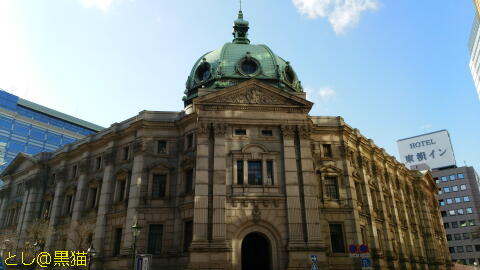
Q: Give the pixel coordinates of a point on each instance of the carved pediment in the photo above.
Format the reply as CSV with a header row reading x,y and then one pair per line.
x,y
256,94
330,169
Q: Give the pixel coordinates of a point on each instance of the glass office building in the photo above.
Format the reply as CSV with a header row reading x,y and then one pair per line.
x,y
31,128
474,47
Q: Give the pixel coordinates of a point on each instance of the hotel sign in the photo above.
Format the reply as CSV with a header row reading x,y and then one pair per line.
x,y
433,149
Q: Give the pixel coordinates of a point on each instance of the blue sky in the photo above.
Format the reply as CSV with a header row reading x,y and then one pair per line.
x,y
392,69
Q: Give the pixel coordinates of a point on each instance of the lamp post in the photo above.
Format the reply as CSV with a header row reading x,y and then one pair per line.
x,y
135,231
91,254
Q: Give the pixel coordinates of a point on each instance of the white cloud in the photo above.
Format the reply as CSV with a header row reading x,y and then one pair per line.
x,y
342,14
326,93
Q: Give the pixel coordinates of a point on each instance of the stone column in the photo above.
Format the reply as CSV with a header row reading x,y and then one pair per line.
x,y
104,203
295,225
56,210
200,212
78,207
31,205
134,195
219,188
312,204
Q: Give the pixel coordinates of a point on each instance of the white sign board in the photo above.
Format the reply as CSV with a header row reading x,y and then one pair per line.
x,y
433,149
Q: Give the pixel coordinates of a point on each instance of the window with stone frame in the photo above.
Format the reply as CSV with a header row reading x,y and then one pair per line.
x,y
117,241
92,197
74,170
327,150
120,189
337,238
46,208
159,185
98,162
155,239
331,187
161,147
239,172
188,174
189,141
126,153
187,234
68,204
255,172
359,192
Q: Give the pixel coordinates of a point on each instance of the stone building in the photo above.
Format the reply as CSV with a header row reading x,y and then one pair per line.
x,y
243,178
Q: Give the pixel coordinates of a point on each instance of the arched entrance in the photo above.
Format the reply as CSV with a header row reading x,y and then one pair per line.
x,y
256,252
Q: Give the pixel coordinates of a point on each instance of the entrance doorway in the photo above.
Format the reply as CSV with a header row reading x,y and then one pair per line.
x,y
256,252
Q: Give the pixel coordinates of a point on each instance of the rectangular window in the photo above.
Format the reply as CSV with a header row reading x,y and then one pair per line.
x,y
240,172
121,185
463,187
267,132
363,231
74,171
446,189
436,180
255,172
471,222
449,201
117,241
126,152
327,150
68,204
442,202
336,238
451,249
452,177
155,236
469,210
460,176
449,237
98,162
458,200
270,172
93,197
460,249
463,223
466,236
457,236
444,179
477,248
454,188
331,187
159,185
190,141
240,132
466,199
187,235
358,191
454,224
446,225
460,211
189,181
161,147
451,212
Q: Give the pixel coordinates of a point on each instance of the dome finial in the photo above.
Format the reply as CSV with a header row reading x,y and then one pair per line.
x,y
240,28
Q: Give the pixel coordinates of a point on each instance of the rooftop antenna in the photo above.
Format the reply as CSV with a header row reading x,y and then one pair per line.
x,y
240,4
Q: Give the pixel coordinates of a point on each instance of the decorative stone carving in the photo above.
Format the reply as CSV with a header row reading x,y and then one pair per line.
x,y
252,95
256,214
220,129
288,131
109,157
203,128
305,132
138,146
84,166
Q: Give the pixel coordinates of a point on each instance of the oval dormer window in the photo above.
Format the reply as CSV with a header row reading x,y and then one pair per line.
x,y
290,75
248,66
203,72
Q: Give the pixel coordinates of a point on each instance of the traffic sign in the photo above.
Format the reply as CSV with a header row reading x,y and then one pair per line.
x,y
353,248
363,248
365,262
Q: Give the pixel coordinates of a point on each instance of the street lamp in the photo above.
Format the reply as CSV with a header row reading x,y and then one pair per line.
x,y
91,253
135,231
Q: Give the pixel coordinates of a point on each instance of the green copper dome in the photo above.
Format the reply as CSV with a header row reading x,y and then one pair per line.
x,y
239,61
